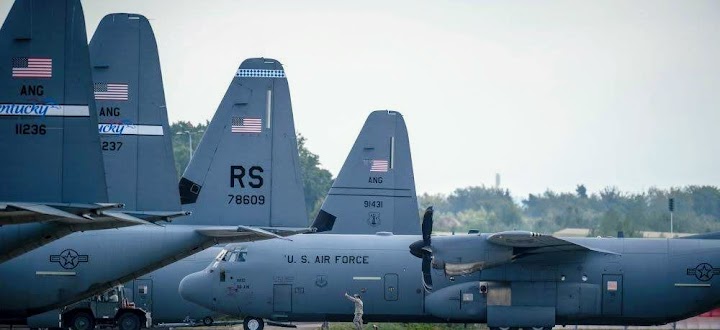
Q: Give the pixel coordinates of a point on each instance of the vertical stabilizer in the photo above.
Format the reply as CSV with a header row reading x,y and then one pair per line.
x,y
48,126
246,168
375,190
134,130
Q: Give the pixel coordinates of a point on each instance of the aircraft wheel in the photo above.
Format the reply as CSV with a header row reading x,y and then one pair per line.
x,y
207,321
253,323
82,321
129,321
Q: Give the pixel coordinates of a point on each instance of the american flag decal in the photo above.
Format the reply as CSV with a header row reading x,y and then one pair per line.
x,y
246,125
378,165
109,91
30,67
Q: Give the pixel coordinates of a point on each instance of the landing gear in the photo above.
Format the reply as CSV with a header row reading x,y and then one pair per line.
x,y
253,323
129,321
82,321
207,321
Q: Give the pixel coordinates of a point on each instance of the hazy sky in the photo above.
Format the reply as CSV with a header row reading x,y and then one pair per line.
x,y
547,93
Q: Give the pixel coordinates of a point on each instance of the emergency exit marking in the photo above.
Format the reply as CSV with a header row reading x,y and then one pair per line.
x,y
612,285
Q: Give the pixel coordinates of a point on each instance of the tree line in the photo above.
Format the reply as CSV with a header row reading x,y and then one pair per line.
x,y
605,213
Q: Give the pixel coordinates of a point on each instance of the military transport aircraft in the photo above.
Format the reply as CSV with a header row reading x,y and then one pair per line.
x,y
52,181
509,279
373,195
235,157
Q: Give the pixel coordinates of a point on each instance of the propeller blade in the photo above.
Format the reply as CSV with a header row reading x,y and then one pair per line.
x,y
426,266
427,225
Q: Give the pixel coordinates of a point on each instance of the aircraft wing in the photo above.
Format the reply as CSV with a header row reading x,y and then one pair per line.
x,y
70,213
248,233
526,242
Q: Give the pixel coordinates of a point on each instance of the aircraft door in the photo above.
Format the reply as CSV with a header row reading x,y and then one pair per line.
x,y
612,295
282,298
391,287
142,297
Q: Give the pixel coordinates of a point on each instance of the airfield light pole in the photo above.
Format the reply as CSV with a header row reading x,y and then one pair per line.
x,y
671,207
190,145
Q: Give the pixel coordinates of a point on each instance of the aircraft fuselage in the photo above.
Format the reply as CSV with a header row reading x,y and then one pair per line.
x,y
638,282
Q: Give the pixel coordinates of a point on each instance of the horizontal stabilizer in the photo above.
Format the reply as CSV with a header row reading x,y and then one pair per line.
x,y
41,209
70,213
532,243
125,217
154,216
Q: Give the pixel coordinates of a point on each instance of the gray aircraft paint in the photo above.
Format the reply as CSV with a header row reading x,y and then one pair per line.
x,y
83,264
256,110
385,192
656,278
135,134
53,179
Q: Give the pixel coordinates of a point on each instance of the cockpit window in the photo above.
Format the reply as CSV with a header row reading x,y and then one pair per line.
x,y
241,255
221,255
231,257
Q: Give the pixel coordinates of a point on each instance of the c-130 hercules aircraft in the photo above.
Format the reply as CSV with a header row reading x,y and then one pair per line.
x,y
511,279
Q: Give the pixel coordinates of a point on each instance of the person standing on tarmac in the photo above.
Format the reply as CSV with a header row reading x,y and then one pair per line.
x,y
357,321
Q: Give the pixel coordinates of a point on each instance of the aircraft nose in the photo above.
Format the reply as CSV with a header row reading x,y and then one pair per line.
x,y
196,288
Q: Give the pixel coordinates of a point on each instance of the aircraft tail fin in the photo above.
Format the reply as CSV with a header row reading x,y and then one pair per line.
x,y
375,189
246,169
134,129
48,124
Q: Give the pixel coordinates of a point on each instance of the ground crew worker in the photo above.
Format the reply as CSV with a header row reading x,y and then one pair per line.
x,y
357,321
